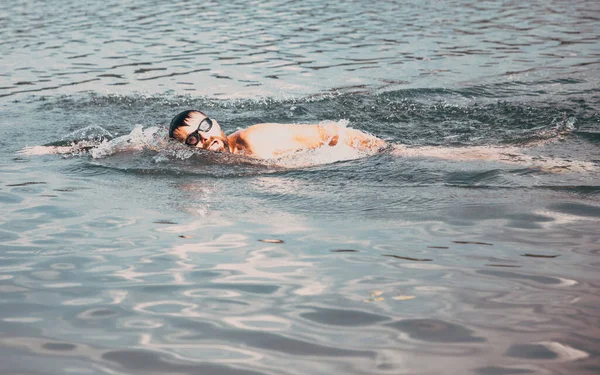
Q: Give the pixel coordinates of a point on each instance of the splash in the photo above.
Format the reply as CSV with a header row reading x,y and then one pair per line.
x,y
97,144
139,139
559,129
155,139
75,143
89,133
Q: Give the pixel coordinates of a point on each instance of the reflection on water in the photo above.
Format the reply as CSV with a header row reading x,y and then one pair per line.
x,y
223,300
241,49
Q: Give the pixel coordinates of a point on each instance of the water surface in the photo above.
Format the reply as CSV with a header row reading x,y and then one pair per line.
x,y
138,257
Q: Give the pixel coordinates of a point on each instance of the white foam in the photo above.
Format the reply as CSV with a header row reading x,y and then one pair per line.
x,y
139,139
156,139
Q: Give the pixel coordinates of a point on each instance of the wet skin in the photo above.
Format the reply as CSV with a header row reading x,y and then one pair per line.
x,y
271,140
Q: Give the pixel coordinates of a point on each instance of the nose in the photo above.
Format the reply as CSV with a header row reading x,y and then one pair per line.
x,y
201,137
206,141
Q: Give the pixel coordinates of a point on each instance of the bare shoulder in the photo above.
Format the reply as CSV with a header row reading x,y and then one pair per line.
x,y
267,140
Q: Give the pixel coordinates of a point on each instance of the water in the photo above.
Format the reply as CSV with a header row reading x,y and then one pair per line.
x,y
137,256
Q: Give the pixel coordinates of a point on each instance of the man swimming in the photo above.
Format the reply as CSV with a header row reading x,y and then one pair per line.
x,y
267,140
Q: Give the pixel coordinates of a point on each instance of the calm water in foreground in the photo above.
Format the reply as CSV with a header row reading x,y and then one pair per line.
x,y
138,257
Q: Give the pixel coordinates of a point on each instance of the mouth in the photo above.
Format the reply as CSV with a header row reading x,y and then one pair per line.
x,y
216,145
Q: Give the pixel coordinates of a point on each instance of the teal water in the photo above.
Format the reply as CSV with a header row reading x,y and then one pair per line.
x,y
137,257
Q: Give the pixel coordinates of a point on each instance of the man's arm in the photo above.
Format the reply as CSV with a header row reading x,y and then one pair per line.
x,y
272,140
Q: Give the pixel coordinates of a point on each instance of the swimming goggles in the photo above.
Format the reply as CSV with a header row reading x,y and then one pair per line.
x,y
194,138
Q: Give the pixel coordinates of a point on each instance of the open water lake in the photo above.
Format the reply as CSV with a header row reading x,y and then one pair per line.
x,y
470,246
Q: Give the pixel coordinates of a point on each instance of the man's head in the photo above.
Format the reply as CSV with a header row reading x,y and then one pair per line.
x,y
195,129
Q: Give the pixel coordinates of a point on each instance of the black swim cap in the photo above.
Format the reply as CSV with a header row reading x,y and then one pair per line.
x,y
179,120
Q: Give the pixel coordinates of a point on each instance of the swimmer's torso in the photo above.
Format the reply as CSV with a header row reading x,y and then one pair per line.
x,y
273,140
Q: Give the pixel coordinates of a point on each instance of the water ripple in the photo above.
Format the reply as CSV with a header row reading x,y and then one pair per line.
x,y
328,47
132,254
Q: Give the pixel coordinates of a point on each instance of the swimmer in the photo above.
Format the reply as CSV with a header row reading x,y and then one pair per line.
x,y
268,140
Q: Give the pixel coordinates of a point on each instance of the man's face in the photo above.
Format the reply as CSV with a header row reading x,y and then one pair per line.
x,y
201,132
